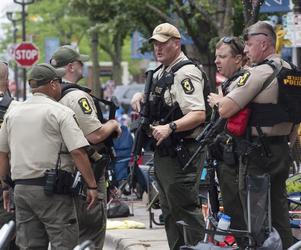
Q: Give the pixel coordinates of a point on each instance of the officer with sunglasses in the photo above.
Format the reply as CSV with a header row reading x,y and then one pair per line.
x,y
258,87
230,61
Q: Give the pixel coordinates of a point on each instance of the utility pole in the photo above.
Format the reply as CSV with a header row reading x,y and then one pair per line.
x,y
14,18
297,11
23,3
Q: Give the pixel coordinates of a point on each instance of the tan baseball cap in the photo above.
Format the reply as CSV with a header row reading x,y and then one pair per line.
x,y
163,32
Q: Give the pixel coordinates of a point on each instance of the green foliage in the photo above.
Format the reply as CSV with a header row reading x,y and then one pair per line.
x,y
293,184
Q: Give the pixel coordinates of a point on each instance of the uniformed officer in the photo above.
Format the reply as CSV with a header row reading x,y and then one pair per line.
x,y
260,48
5,101
92,223
178,188
229,60
33,135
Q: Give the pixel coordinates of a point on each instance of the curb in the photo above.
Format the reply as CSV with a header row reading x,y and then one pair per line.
x,y
120,242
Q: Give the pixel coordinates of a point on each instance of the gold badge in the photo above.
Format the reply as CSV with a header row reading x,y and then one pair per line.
x,y
187,86
85,106
243,79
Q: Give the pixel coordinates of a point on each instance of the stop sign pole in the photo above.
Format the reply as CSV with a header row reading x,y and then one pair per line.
x,y
23,3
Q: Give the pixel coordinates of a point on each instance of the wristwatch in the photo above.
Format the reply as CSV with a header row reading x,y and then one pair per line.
x,y
173,126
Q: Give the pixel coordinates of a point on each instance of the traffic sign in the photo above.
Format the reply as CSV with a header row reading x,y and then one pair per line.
x,y
26,54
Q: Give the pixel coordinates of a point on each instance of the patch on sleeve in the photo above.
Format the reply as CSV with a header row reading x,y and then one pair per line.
x,y
187,86
242,81
85,106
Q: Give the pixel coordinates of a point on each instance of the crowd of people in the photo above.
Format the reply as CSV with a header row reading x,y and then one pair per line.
x,y
57,137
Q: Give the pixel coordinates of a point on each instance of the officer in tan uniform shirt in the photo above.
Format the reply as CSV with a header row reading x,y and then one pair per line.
x,y
230,62
259,47
174,127
33,134
92,223
5,100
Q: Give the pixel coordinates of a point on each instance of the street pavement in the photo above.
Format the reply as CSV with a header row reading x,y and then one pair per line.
x,y
137,239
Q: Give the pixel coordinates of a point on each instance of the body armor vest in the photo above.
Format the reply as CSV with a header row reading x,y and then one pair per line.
x,y
159,110
288,104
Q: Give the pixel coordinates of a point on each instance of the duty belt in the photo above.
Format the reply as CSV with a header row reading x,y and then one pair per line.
x,y
272,139
40,181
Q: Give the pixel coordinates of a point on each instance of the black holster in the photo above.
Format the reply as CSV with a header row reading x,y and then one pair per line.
x,y
253,151
58,182
223,149
174,148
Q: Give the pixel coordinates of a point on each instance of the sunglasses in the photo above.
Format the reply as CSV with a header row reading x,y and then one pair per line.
x,y
58,79
230,40
246,36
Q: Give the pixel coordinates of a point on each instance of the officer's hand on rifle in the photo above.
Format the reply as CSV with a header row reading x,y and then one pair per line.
x,y
136,101
213,99
117,128
160,132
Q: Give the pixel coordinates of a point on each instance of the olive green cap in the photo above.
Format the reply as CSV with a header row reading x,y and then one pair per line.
x,y
43,73
66,54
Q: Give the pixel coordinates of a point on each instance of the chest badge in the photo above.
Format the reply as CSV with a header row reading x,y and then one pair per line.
x,y
187,86
242,81
85,106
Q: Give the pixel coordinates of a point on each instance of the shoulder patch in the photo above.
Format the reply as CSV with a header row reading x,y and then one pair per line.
x,y
242,81
85,106
187,86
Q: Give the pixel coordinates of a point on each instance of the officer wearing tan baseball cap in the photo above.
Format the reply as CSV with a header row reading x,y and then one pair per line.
x,y
164,31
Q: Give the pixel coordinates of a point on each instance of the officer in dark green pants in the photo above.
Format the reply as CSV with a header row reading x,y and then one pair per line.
x,y
268,128
230,60
177,110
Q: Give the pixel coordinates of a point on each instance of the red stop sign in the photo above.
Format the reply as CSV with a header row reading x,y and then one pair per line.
x,y
26,54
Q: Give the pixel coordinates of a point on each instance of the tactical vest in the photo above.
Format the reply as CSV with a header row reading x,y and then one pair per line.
x,y
226,84
159,110
288,107
5,101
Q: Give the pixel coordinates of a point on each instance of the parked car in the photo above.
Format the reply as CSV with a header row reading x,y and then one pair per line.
x,y
124,94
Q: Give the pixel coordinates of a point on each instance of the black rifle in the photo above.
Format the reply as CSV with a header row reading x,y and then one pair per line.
x,y
208,134
113,106
141,133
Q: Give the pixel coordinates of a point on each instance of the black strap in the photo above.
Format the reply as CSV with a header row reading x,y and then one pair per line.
x,y
180,64
227,83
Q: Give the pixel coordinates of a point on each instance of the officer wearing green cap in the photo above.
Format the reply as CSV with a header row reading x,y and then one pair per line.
x,y
92,223
33,137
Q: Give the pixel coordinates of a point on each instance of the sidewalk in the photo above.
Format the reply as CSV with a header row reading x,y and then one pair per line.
x,y
137,239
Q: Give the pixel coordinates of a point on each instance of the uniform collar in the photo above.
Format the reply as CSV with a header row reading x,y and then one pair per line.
x,y
181,57
43,95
